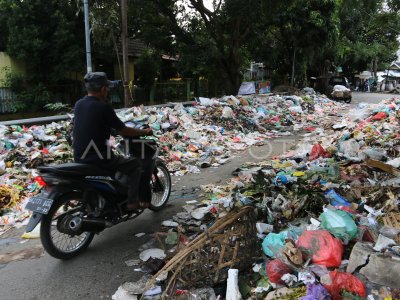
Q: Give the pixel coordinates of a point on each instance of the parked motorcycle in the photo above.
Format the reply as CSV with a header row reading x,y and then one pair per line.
x,y
79,200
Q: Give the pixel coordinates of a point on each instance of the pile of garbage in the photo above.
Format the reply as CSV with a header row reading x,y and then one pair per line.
x,y
194,137
328,215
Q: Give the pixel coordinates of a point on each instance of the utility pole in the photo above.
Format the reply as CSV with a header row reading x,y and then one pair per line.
x,y
125,61
87,36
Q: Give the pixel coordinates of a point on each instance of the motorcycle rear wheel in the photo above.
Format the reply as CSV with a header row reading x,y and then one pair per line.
x,y
58,244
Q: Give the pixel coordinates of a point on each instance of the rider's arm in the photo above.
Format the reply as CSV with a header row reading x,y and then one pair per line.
x,y
134,132
114,122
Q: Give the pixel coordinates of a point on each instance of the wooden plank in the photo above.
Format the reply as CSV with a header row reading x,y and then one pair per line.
x,y
382,166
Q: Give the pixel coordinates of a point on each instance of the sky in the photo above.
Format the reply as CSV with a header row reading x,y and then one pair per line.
x,y
208,4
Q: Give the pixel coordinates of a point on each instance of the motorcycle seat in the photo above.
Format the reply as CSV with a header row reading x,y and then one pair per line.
x,y
75,169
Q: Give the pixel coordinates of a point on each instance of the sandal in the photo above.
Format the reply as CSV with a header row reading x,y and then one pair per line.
x,y
137,205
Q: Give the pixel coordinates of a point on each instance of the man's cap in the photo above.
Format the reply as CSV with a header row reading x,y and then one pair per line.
x,y
97,79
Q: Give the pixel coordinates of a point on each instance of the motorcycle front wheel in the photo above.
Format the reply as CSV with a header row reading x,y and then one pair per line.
x,y
53,233
160,186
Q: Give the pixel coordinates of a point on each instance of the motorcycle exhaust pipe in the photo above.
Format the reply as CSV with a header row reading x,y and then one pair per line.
x,y
92,225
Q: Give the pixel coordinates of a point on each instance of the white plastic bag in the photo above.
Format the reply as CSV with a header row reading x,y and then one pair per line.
x,y
227,112
394,162
349,148
340,88
359,114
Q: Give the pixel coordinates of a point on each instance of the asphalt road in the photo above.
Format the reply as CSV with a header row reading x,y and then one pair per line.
x,y
359,97
26,272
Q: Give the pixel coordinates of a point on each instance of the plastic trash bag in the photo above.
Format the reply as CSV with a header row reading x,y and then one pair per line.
x,y
318,151
309,91
350,148
206,101
34,234
376,153
394,162
274,243
202,293
335,199
340,224
359,114
340,281
296,109
340,88
262,110
227,112
389,231
294,232
379,116
316,292
323,248
276,269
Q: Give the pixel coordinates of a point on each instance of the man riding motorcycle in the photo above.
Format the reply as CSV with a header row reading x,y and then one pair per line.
x,y
93,120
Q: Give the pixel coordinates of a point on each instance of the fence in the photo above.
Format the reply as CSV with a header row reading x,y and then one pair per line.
x,y
66,93
178,91
171,91
7,100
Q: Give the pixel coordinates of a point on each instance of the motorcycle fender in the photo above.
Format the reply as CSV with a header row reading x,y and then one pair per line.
x,y
34,220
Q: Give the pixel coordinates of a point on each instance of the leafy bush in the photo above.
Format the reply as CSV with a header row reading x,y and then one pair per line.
x,y
27,97
15,82
58,107
34,97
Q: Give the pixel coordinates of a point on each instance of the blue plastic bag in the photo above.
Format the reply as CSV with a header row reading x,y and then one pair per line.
x,y
335,199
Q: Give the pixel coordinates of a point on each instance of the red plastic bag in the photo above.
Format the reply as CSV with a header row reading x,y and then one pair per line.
x,y
379,116
344,282
322,246
276,269
318,151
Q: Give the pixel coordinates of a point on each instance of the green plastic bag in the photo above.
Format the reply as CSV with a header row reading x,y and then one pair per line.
x,y
274,243
340,224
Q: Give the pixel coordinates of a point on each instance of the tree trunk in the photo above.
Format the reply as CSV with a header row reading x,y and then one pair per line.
x,y
231,69
375,68
293,64
234,79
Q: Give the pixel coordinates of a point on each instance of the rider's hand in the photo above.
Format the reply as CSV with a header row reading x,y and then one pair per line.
x,y
148,131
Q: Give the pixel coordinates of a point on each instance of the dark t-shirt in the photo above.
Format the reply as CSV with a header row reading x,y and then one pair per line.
x,y
93,120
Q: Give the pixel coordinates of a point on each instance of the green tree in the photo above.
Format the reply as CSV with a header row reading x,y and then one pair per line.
x,y
147,66
369,31
209,43
294,36
48,36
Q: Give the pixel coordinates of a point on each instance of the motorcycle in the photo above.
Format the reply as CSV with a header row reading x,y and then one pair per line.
x,y
78,201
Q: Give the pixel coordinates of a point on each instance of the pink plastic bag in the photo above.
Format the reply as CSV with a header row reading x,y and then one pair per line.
x,y
323,248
